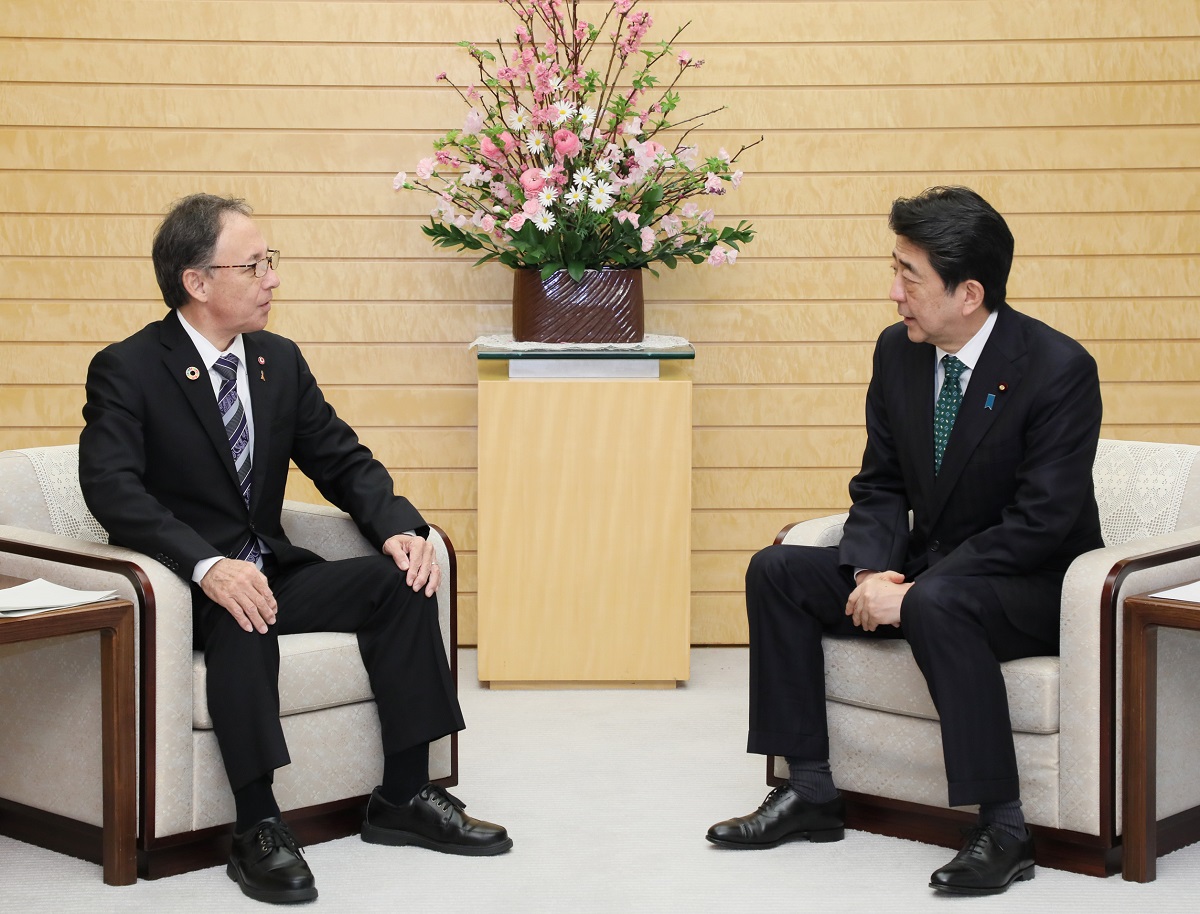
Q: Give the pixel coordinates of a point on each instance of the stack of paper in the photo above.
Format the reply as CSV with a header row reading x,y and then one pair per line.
x,y
1189,593
40,596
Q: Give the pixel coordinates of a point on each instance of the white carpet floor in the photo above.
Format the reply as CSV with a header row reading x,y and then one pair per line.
x,y
607,795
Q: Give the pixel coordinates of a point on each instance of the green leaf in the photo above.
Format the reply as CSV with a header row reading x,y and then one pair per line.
x,y
576,268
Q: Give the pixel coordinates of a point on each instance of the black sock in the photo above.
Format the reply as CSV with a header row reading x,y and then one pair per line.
x,y
1007,816
255,802
812,780
404,773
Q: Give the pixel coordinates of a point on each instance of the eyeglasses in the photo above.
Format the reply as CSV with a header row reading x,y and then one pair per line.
x,y
259,266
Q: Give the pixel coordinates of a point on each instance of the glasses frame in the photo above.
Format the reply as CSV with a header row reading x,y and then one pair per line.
x,y
271,260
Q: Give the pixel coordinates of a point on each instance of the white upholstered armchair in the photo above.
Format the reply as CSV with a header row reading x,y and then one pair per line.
x,y
50,774
883,731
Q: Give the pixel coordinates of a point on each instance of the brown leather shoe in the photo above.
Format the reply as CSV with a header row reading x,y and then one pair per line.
x,y
988,864
267,864
435,820
782,817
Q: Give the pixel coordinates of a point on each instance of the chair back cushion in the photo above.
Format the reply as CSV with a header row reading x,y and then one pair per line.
x,y
1145,489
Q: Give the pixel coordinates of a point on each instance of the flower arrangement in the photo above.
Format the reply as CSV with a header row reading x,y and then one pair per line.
x,y
557,165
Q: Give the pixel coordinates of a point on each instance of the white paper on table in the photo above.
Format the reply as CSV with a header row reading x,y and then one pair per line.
x,y
41,595
1189,593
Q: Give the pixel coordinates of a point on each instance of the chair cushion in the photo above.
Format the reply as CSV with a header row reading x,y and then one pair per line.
x,y
883,675
316,670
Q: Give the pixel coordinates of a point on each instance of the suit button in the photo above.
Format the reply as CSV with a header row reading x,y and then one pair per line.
x,y
934,545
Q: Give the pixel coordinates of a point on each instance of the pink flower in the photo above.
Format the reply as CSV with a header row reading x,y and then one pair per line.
x,y
425,168
717,257
626,216
532,180
473,94
647,239
473,122
714,185
531,207
487,223
515,222
690,210
509,141
683,58
489,149
566,143
622,6
731,256
399,181
441,77
671,225
507,73
736,179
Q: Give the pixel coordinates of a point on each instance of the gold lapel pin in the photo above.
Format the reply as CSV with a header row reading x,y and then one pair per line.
x,y
192,373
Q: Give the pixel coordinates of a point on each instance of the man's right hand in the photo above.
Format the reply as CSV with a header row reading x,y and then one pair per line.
x,y
243,591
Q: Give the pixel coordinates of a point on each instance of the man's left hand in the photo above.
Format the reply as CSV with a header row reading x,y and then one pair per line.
x,y
414,555
876,600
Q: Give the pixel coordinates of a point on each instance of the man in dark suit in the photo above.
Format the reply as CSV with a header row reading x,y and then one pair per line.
x,y
983,423
190,427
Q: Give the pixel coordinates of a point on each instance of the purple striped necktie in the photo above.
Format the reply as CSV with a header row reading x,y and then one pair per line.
x,y
237,430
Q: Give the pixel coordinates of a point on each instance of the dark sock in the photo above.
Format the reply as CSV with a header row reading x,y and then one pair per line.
x,y
812,781
1007,816
255,802
404,773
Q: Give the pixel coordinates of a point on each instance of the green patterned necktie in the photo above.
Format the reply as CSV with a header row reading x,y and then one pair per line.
x,y
946,410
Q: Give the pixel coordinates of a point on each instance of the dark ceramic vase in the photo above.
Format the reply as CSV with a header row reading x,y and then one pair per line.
x,y
605,306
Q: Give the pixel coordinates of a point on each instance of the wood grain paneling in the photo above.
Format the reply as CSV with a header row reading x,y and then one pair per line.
x,y
1080,120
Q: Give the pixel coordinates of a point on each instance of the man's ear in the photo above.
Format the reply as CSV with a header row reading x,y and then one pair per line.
x,y
195,283
971,291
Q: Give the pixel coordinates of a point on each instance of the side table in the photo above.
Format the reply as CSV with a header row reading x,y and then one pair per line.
x,y
584,517
113,620
1144,615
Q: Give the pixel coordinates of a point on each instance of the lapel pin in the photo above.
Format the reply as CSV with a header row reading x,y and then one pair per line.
x,y
990,401
192,373
262,375
261,360
1003,387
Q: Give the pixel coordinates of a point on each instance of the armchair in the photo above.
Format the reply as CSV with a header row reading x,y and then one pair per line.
x,y
50,707
883,730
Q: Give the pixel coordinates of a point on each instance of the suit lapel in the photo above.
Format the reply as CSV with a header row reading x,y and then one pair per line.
x,y
993,381
917,383
263,406
191,374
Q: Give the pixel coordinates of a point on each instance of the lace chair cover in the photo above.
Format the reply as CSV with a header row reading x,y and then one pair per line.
x,y
1140,487
57,470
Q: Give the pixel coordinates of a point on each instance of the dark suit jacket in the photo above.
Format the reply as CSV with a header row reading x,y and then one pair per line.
x,y
156,468
1014,499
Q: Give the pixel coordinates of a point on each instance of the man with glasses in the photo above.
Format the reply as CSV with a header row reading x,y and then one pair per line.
x,y
190,425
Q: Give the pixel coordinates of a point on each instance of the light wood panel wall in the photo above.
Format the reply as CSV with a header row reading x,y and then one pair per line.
x,y
1079,119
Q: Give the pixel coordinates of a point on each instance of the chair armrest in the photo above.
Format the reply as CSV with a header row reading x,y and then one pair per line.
x,y
820,531
1094,590
331,534
163,627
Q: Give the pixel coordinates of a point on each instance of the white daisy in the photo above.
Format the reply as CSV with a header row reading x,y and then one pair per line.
x,y
547,195
561,112
599,202
604,166
575,195
605,188
518,119
544,221
535,143
584,177
587,115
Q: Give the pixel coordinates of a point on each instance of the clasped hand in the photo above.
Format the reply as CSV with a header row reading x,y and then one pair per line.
x,y
414,555
876,600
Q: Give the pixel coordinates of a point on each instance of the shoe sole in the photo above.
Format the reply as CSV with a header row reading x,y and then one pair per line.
x,y
283,896
1022,875
813,837
372,834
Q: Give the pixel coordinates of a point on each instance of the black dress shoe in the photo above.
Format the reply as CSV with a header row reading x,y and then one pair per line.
x,y
435,820
782,817
266,863
988,864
